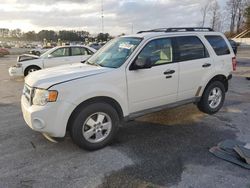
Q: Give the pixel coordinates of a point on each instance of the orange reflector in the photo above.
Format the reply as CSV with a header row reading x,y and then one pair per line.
x,y
52,96
234,63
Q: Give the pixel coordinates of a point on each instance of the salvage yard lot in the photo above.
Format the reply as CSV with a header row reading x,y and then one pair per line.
x,y
165,149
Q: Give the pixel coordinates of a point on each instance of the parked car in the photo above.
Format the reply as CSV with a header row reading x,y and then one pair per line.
x,y
5,45
28,63
4,51
39,51
96,46
127,78
234,46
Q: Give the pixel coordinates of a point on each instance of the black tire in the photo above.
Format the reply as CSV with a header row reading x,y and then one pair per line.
x,y
204,105
82,115
31,68
37,53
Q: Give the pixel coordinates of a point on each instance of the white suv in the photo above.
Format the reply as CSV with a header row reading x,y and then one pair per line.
x,y
127,78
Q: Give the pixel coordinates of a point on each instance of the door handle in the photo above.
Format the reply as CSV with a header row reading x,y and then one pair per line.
x,y
169,72
167,77
206,65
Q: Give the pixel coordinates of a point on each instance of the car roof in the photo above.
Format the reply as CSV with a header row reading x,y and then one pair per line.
x,y
148,35
177,31
71,46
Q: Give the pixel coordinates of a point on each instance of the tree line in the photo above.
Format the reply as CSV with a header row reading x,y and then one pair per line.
x,y
51,35
233,19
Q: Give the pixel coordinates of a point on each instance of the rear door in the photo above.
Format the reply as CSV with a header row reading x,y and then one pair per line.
x,y
223,52
195,64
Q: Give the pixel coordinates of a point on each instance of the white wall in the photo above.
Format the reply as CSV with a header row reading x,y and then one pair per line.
x,y
243,41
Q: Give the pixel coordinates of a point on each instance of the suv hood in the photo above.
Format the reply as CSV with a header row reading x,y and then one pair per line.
x,y
47,77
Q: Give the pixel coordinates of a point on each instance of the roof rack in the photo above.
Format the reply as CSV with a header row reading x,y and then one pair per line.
x,y
179,29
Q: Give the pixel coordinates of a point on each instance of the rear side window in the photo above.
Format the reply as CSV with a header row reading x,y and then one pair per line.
x,y
219,45
190,48
76,51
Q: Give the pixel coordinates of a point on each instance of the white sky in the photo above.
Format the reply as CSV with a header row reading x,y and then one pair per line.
x,y
119,15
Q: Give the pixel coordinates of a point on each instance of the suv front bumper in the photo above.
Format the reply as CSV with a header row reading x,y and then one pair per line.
x,y
50,119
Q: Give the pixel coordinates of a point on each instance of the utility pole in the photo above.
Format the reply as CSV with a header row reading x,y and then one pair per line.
x,y
132,28
102,19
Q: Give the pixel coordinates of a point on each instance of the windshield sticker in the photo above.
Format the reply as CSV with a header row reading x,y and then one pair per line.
x,y
126,46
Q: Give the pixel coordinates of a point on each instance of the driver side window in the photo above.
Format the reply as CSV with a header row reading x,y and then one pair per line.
x,y
158,51
61,52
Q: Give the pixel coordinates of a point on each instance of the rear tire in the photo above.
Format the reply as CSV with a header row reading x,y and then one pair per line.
x,y
94,126
213,98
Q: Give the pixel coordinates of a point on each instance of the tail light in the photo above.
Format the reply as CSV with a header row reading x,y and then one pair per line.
x,y
234,63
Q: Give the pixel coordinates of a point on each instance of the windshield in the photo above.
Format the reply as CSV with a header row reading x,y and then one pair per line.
x,y
115,53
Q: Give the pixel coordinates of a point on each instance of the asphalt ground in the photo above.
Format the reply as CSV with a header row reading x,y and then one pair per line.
x,y
164,149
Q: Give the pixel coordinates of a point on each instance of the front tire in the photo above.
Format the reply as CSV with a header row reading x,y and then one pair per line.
x,y
94,126
213,98
30,69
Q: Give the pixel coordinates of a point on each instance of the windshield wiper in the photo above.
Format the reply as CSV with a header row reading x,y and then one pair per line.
x,y
94,64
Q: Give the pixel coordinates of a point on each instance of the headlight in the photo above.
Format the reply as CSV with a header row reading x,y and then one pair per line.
x,y
18,65
42,96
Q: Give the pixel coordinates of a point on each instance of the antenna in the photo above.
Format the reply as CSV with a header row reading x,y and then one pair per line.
x,y
102,18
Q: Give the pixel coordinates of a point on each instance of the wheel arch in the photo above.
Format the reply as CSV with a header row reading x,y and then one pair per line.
x,y
87,102
220,77
26,68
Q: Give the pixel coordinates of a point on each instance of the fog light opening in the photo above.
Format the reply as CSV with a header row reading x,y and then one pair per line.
x,y
38,124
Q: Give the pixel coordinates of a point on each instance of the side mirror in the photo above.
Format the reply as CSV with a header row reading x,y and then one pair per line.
x,y
84,59
140,63
50,56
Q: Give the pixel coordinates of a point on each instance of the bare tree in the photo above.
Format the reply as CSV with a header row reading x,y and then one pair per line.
x,y
232,6
236,9
240,16
204,12
214,11
247,17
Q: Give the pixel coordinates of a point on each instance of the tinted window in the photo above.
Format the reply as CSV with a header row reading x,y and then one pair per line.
x,y
79,51
219,45
76,51
190,48
60,52
159,51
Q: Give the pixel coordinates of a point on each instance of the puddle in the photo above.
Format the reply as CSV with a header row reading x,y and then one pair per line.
x,y
188,114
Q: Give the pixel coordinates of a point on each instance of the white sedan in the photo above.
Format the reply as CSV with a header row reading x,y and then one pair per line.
x,y
54,57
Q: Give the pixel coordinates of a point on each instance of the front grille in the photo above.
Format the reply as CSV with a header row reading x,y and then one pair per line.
x,y
27,92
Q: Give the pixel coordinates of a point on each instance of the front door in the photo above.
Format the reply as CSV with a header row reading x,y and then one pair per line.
x,y
155,86
58,57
